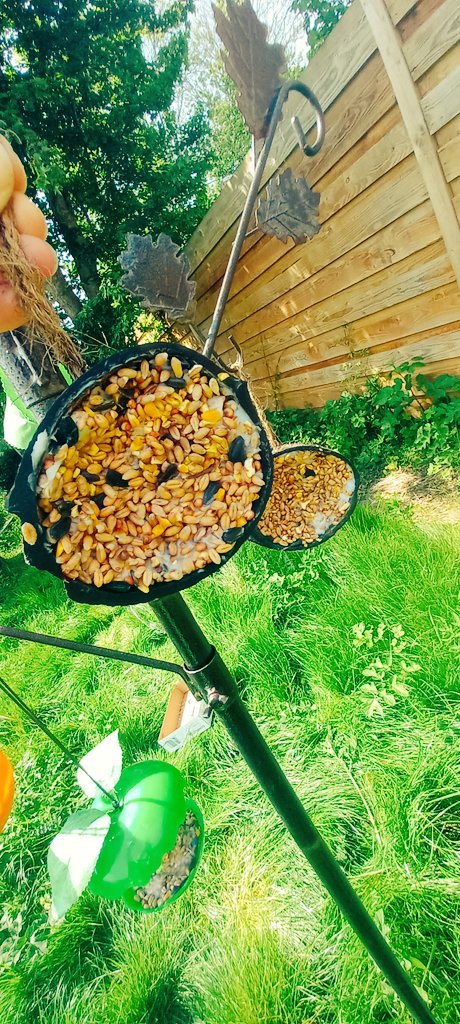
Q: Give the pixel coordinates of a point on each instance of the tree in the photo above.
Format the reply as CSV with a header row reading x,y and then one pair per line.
x,y
320,16
86,94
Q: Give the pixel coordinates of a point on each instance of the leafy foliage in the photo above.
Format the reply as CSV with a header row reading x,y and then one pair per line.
x,y
405,419
230,139
86,93
10,533
320,18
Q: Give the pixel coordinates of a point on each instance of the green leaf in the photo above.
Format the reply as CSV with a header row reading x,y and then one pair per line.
x,y
104,763
72,857
375,708
399,688
372,673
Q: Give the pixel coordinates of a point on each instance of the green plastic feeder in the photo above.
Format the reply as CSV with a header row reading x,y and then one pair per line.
x,y
142,830
128,897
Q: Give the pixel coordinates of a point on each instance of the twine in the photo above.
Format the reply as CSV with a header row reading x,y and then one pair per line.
x,y
43,324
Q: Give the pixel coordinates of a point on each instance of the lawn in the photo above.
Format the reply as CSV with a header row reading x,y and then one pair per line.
x,y
348,658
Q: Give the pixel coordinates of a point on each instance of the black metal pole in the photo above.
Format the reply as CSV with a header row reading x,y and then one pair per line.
x,y
215,683
97,652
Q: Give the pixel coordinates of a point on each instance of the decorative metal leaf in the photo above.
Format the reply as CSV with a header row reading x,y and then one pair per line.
x,y
290,209
253,64
157,273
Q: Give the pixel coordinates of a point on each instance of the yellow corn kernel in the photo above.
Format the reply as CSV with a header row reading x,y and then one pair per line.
x,y
211,415
176,367
163,525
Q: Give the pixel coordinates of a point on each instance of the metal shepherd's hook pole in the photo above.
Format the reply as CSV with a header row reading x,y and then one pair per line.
x,y
214,682
282,95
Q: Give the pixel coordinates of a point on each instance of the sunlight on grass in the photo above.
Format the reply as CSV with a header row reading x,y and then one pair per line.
x,y
348,658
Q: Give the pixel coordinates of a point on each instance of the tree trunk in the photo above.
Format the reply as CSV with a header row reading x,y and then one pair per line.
x,y
80,247
30,372
61,291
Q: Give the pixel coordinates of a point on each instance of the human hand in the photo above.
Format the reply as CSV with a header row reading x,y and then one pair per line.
x,y
30,224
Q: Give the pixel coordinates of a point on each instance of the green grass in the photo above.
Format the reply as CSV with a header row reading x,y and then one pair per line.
x,y
373,749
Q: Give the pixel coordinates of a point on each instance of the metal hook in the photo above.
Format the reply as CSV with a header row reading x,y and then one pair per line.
x,y
273,117
312,150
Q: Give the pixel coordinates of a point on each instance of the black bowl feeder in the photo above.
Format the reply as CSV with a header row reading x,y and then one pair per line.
x,y
299,545
58,428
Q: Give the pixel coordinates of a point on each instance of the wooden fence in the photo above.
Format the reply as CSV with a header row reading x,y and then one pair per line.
x,y
380,283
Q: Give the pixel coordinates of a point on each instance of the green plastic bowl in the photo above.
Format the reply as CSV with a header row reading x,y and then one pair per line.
x,y
128,897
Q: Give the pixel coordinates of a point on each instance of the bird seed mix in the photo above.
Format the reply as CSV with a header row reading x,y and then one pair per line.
x,y
311,493
160,481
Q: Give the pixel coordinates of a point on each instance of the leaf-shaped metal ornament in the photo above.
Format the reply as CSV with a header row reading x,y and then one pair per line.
x,y
290,209
253,64
159,274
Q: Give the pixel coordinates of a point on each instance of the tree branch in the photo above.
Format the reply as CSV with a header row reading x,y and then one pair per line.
x,y
62,292
79,246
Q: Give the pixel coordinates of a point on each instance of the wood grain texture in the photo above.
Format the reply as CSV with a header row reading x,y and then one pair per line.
x,y
432,349
399,66
434,310
442,104
377,279
354,123
434,37
387,200
418,273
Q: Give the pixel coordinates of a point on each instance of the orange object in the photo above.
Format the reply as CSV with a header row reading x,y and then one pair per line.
x,y
6,789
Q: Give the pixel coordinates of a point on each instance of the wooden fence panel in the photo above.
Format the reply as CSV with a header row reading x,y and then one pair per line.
x,y
380,282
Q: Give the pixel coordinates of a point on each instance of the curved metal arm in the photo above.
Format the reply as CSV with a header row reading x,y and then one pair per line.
x,y
274,117
98,652
280,99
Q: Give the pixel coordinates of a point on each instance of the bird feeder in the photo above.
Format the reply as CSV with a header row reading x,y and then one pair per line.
x,y
144,831
136,842
314,492
142,415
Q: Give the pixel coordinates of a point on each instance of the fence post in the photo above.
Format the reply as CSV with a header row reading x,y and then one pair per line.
x,y
424,146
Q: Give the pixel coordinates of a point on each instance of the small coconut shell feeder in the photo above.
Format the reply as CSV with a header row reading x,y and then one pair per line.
x,y
314,493
145,829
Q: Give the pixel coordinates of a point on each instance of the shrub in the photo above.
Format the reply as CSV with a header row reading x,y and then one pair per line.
x,y
402,419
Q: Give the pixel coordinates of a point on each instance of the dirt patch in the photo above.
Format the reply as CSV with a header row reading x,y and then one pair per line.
x,y
434,498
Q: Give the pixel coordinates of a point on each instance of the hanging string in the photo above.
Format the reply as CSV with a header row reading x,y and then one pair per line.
x,y
20,703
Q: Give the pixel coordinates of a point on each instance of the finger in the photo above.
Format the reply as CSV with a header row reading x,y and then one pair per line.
x,y
20,180
28,219
42,256
39,253
6,178
11,314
